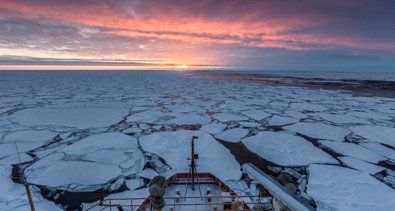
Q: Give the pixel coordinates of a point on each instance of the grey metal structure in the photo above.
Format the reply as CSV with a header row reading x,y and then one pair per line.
x,y
278,191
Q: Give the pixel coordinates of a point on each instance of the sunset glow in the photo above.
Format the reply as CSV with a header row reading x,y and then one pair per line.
x,y
182,66
260,35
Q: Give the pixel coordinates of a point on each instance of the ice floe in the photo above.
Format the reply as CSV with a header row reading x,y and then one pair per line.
x,y
24,141
308,107
175,148
281,120
67,125
361,165
149,116
132,184
343,119
92,161
380,149
213,128
339,188
13,196
256,114
319,130
353,150
380,134
187,119
70,117
227,117
285,149
249,124
232,135
369,115
73,173
148,173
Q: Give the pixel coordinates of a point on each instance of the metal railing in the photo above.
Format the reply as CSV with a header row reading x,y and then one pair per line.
x,y
189,203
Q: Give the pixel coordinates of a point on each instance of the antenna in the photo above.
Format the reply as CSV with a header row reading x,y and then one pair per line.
x,y
19,156
192,168
26,184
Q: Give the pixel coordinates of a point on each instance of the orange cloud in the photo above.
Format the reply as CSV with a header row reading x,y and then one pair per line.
x,y
191,32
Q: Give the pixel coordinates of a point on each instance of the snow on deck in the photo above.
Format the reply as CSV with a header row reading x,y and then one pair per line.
x,y
171,191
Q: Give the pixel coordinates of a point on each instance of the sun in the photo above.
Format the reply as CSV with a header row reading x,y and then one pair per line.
x,y
182,66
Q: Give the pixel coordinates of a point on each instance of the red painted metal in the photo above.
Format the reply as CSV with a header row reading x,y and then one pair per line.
x,y
202,175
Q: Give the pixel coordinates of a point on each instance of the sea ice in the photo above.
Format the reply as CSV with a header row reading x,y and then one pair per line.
x,y
64,173
295,114
143,126
308,107
285,149
339,188
227,117
361,165
280,120
148,173
8,149
132,130
108,156
353,150
380,134
149,116
25,140
13,196
187,119
213,128
132,184
175,148
369,115
387,107
256,114
84,105
70,117
29,136
14,159
91,161
319,130
380,149
343,119
249,124
232,135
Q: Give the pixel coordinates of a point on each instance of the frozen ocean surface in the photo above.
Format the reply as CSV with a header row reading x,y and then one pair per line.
x,y
84,135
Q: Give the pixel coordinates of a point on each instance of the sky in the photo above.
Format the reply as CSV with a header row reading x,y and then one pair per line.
x,y
288,35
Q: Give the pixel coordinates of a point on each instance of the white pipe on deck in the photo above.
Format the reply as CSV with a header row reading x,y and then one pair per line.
x,y
276,189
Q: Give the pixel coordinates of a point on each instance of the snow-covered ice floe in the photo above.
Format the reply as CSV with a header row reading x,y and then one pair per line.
x,y
380,134
13,196
213,128
89,163
175,148
319,130
77,116
285,149
281,120
82,132
232,135
353,150
339,188
24,141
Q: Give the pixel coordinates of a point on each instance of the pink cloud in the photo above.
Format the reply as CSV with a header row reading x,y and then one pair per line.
x,y
267,23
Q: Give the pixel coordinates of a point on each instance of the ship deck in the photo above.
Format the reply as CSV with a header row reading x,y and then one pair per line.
x,y
193,199
210,193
